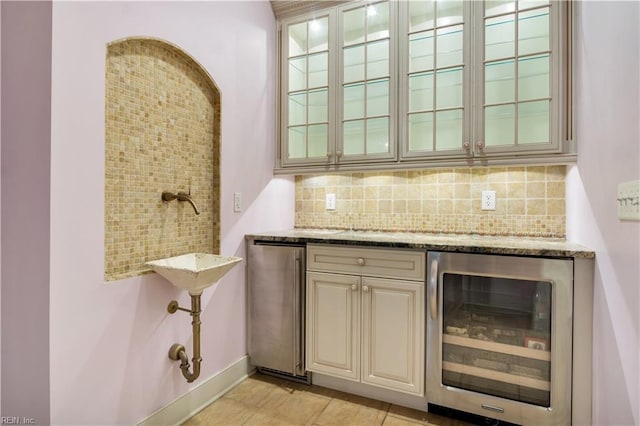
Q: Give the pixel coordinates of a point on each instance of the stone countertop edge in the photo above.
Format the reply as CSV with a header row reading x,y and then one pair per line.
x,y
481,244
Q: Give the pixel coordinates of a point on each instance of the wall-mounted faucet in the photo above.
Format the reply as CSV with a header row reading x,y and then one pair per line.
x,y
180,196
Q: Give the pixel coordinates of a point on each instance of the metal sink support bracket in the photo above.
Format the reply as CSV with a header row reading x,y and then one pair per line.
x,y
177,352
192,272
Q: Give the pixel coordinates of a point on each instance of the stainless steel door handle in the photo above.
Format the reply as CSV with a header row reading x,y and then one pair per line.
x,y
433,289
298,343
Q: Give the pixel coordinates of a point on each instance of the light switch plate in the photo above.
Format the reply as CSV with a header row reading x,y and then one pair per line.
x,y
629,200
237,202
331,202
488,200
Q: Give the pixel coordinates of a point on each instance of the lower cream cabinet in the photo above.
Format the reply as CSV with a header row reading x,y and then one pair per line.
x,y
365,328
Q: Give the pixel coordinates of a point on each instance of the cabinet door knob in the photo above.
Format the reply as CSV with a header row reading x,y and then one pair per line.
x,y
365,288
329,155
339,154
354,287
361,261
467,146
480,145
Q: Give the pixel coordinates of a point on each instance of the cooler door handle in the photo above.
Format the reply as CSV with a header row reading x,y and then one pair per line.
x,y
433,289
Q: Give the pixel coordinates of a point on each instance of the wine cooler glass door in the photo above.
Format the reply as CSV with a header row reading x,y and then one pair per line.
x,y
497,323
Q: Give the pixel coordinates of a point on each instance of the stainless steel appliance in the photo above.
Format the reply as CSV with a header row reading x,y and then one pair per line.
x,y
276,294
499,336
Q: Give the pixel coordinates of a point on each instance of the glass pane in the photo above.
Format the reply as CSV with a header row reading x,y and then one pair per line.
x,y
378,59
533,77
449,130
297,74
353,101
297,142
421,51
499,38
353,137
318,70
449,47
353,64
377,21
449,88
297,109
499,82
483,319
378,98
498,7
527,4
377,135
449,12
421,92
499,125
318,101
353,22
421,14
421,132
318,35
533,122
533,31
297,39
318,144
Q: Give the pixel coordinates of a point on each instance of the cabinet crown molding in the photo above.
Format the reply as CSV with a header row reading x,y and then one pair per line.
x,y
287,8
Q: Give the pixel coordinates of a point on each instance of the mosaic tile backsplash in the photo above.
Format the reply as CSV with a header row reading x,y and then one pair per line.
x,y
530,201
162,120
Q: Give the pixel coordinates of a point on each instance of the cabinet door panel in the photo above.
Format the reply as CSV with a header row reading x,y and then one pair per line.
x,y
367,87
333,337
435,70
393,334
308,93
520,66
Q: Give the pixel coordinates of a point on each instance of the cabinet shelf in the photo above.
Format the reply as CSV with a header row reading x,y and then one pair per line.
x,y
499,376
497,347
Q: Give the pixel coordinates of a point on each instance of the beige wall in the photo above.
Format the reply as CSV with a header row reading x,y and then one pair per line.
x,y
162,115
530,201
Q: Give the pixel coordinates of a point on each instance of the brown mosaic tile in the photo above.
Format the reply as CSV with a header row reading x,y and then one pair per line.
x,y
530,201
162,132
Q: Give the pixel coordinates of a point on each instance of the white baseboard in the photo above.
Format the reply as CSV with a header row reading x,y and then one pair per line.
x,y
187,405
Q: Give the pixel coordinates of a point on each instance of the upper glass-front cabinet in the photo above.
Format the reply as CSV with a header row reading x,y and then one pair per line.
x,y
435,68
367,82
307,91
406,83
520,67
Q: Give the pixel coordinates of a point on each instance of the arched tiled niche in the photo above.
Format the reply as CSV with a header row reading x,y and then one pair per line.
x,y
162,121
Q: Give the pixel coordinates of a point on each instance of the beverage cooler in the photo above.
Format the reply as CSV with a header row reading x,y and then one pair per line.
x,y
499,336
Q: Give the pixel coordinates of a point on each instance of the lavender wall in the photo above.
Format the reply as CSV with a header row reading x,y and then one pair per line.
x,y
26,120
109,342
607,113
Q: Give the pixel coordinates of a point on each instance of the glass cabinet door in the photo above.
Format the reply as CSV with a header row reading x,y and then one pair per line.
x,y
306,93
496,337
366,99
435,77
520,94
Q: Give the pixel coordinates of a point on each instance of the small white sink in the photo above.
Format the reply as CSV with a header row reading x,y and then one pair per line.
x,y
194,272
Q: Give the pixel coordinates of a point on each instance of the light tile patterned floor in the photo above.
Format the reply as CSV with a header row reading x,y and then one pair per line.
x,y
265,400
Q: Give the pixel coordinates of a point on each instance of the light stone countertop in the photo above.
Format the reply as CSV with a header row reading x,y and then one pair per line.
x,y
482,244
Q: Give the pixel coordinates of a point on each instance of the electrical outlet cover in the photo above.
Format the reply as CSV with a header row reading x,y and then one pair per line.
x,y
331,202
488,200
